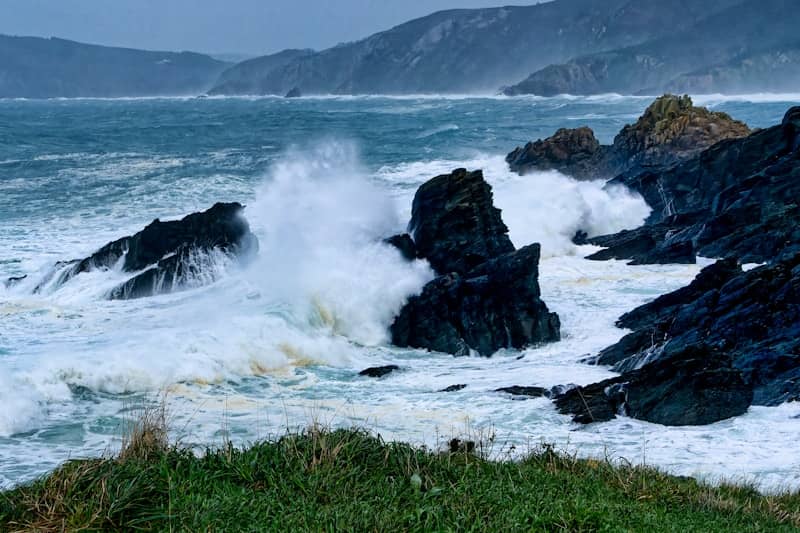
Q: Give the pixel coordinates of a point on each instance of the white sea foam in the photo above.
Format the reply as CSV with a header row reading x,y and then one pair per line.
x,y
279,341
543,207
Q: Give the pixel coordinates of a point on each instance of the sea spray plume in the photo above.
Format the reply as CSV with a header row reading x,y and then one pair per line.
x,y
321,224
547,208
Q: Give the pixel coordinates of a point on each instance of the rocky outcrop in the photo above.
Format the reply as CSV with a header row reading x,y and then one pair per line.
x,y
404,244
455,225
671,130
695,386
753,317
487,295
738,197
168,255
496,305
526,392
378,371
575,152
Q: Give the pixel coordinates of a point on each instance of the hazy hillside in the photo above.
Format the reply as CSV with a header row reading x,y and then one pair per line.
x,y
752,46
33,67
248,76
473,50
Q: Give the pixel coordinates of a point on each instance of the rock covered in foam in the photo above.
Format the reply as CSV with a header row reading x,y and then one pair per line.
x,y
454,223
169,254
695,386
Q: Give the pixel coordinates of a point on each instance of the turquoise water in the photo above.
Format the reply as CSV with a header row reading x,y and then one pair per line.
x,y
279,343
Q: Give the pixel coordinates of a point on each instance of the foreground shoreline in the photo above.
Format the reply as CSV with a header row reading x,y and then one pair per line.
x,y
353,480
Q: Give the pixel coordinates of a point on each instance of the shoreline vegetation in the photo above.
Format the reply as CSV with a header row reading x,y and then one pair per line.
x,y
352,480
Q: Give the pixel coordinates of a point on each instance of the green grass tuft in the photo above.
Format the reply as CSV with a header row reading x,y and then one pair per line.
x,y
350,480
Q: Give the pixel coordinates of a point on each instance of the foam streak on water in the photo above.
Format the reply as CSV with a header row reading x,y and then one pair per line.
x,y
278,342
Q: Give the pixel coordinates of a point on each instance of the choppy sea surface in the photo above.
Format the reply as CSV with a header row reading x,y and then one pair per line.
x,y
277,344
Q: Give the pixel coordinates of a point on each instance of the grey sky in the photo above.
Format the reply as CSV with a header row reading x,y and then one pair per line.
x,y
247,26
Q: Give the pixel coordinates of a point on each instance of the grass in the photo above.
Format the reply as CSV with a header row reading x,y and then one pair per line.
x,y
351,480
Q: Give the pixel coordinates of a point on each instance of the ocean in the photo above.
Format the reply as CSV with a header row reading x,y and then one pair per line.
x,y
277,344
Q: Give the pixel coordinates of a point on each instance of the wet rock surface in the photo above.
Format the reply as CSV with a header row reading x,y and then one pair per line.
x,y
575,152
752,316
695,386
454,223
496,305
170,254
671,130
378,371
487,296
737,198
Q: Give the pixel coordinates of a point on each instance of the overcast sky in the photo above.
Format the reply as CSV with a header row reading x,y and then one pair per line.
x,y
217,26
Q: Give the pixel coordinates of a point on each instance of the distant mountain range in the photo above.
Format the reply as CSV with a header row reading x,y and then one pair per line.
x,y
32,67
475,50
564,46
748,47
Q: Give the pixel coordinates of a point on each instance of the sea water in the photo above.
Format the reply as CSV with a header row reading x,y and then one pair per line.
x,y
277,344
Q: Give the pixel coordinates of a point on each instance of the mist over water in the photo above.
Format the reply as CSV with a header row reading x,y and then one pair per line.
x,y
279,340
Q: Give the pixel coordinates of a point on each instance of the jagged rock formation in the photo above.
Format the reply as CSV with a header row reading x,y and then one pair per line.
x,y
738,198
753,317
670,130
697,386
32,67
496,305
169,255
454,223
487,296
468,50
575,152
725,51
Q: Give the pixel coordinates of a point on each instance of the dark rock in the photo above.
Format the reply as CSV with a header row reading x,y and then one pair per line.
x,y
696,386
405,244
670,130
580,238
737,198
575,152
645,245
454,388
170,254
10,282
753,317
378,371
455,225
531,392
496,305
294,93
